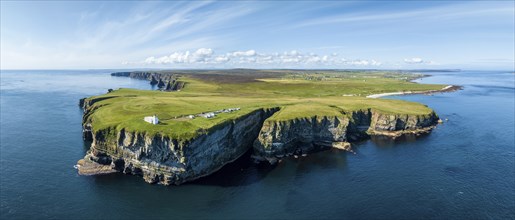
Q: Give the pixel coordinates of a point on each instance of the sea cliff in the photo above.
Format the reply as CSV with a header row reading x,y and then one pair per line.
x,y
279,113
299,136
165,160
164,81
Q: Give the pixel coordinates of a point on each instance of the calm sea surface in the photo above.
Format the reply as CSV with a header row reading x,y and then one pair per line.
x,y
464,169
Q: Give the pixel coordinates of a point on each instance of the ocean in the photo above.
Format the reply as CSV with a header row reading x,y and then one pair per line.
x,y
463,169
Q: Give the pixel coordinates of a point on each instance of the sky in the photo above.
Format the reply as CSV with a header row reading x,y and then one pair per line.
x,y
247,34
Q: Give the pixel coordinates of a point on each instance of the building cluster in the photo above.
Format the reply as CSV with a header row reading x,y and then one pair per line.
x,y
207,115
213,114
154,120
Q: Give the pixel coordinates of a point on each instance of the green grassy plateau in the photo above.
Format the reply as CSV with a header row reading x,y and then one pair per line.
x,y
298,94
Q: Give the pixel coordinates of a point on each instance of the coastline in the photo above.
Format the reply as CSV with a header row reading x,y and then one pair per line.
x,y
449,88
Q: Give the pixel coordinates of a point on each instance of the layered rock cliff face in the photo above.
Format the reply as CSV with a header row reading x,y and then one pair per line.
x,y
164,160
160,159
282,138
396,125
164,81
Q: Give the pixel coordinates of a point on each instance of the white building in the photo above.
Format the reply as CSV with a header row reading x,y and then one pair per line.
x,y
152,119
208,115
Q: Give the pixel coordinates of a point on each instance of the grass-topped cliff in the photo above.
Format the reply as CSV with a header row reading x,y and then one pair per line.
x,y
299,94
274,112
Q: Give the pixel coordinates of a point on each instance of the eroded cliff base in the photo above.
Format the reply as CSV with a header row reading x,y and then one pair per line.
x,y
88,167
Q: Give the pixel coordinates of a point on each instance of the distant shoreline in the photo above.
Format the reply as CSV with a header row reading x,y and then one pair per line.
x,y
449,88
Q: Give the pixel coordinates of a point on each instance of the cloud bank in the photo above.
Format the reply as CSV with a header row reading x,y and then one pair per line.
x,y
252,57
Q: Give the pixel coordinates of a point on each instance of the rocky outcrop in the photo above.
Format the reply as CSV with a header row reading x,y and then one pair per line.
x,y
299,136
174,86
164,160
89,167
165,81
396,125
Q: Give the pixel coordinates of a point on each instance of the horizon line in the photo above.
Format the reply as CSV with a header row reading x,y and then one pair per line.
x,y
320,69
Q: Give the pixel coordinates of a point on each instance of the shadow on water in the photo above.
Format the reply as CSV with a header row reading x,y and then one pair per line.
x,y
389,142
325,159
86,146
244,171
332,163
241,172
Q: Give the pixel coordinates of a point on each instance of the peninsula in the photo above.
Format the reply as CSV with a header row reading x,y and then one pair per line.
x,y
200,120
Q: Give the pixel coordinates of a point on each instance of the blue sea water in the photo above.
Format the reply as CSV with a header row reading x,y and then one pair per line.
x,y
464,169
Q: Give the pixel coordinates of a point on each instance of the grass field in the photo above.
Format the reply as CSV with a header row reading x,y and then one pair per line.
x,y
299,95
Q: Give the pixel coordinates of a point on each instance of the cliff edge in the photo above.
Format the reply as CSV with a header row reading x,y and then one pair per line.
x,y
167,160
222,114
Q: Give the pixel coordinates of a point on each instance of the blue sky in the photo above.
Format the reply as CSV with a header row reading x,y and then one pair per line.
x,y
205,34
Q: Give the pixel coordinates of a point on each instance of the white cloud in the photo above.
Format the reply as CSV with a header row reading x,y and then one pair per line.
x,y
221,59
360,62
201,55
375,63
414,60
291,58
418,60
247,53
294,53
148,60
204,52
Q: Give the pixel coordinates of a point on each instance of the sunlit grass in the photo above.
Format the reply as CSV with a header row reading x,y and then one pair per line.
x,y
296,98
